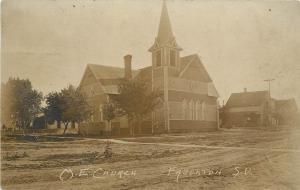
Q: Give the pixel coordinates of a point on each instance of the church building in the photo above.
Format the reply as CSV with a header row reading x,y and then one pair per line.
x,y
189,101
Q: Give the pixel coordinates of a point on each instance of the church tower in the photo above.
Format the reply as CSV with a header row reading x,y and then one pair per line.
x,y
165,62
165,51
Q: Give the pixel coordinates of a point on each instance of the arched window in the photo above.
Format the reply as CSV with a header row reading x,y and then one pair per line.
x,y
198,110
172,58
184,109
191,110
158,58
203,111
100,113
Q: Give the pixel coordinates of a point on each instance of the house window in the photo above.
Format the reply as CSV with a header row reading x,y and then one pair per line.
x,y
172,58
158,58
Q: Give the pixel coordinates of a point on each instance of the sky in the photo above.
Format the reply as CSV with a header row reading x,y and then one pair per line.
x,y
241,43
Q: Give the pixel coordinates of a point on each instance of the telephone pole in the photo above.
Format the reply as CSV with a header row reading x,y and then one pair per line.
x,y
269,108
269,81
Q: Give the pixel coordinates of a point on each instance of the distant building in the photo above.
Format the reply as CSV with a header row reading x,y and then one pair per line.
x,y
249,109
287,111
189,95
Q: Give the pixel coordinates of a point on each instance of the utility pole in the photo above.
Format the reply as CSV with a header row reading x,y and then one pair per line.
x,y
269,81
269,109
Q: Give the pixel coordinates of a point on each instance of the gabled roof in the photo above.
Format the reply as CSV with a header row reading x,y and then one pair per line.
x,y
144,73
184,61
107,72
109,76
286,104
245,99
194,60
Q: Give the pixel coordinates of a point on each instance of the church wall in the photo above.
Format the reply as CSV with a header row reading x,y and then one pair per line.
x,y
89,85
158,83
179,96
172,71
192,126
110,81
185,85
158,72
177,112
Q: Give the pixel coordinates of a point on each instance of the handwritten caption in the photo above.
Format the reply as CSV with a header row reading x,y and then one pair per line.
x,y
184,172
178,173
68,174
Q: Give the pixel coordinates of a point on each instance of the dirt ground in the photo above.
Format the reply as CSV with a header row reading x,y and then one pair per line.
x,y
229,159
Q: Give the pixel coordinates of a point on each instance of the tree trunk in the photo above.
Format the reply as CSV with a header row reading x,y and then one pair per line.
x,y
130,126
109,128
140,125
66,126
132,130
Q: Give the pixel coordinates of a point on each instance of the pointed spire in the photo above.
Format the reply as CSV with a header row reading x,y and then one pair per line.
x,y
165,33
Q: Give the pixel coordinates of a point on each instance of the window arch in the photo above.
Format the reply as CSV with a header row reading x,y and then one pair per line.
x,y
198,110
184,109
158,58
203,110
100,113
191,110
172,57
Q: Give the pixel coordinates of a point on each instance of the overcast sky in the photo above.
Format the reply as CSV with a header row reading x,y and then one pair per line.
x,y
241,43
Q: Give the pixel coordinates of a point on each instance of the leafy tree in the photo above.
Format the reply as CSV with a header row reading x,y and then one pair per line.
x,y
109,113
137,101
53,110
22,102
74,106
67,106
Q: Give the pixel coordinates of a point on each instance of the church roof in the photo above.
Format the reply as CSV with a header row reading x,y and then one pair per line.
x,y
194,61
184,61
108,72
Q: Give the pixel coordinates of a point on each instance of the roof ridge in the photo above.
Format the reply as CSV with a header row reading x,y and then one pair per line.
x,y
194,54
249,92
92,64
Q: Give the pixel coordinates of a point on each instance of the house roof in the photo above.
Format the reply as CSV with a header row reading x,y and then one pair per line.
x,y
245,99
286,104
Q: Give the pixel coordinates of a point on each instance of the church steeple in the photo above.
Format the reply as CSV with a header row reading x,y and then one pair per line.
x,y
165,33
165,51
165,36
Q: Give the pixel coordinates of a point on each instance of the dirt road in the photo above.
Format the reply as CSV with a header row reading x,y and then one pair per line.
x,y
222,160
